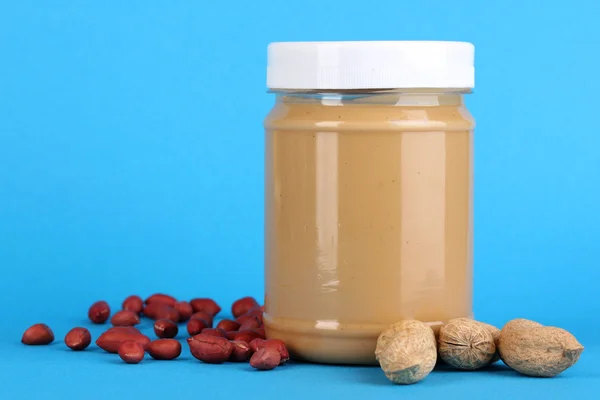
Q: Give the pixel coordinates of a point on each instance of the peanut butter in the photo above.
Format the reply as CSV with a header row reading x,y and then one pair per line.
x,y
368,219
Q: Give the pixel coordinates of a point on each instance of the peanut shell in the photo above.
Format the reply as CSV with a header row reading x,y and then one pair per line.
x,y
520,323
495,332
536,350
407,351
466,344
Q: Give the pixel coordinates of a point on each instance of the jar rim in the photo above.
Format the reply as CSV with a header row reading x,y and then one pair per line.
x,y
343,92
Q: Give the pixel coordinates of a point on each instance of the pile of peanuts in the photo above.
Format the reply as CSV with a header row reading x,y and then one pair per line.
x,y
236,340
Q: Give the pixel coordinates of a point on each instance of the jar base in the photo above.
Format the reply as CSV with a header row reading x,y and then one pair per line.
x,y
347,344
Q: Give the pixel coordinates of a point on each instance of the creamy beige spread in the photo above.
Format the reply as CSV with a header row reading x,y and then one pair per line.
x,y
368,218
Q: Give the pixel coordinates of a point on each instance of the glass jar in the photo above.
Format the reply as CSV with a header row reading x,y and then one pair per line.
x,y
368,192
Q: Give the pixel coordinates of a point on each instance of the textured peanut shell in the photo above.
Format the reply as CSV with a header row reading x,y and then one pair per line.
x,y
520,323
495,332
513,325
535,350
466,344
392,331
406,351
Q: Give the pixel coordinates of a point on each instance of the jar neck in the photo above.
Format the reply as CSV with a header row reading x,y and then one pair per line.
x,y
395,97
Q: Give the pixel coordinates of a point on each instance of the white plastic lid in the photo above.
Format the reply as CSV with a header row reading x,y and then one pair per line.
x,y
370,65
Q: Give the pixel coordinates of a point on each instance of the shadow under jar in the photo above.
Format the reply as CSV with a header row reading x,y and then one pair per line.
x,y
368,192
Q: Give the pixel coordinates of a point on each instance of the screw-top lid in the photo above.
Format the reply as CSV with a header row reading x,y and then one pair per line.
x,y
370,65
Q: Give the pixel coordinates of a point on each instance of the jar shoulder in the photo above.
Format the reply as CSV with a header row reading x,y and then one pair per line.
x,y
368,117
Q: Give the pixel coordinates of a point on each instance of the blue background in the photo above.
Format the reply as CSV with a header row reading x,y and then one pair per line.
x,y
131,161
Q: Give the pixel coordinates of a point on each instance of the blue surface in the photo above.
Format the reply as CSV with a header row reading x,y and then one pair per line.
x,y
131,161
